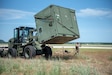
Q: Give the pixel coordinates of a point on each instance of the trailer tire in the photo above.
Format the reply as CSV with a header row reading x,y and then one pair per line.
x,y
12,53
29,52
1,52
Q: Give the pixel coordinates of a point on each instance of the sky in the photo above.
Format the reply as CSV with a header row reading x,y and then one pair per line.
x,y
94,17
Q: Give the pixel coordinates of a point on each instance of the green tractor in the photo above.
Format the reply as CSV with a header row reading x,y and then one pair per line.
x,y
24,43
54,25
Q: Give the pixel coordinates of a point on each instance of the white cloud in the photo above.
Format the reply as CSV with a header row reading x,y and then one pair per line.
x,y
6,14
88,12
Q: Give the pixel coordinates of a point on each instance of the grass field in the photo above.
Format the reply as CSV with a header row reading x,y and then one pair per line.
x,y
88,62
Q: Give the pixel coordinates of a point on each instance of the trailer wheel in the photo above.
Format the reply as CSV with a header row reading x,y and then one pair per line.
x,y
29,52
1,52
12,53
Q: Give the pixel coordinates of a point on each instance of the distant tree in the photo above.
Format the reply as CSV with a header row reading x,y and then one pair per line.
x,y
2,41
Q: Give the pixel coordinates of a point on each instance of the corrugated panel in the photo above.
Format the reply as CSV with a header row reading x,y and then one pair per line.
x,y
56,24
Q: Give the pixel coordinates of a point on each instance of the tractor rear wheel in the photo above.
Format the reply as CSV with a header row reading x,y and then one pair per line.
x,y
48,52
12,53
29,52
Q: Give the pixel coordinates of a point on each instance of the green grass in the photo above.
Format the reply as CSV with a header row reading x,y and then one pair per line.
x,y
82,70
61,64
43,67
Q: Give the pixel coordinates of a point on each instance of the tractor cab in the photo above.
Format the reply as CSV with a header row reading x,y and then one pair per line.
x,y
23,34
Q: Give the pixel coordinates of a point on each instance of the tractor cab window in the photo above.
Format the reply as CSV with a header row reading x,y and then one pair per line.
x,y
20,35
23,35
15,33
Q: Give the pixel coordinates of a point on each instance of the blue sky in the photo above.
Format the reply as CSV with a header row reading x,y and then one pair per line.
x,y
94,17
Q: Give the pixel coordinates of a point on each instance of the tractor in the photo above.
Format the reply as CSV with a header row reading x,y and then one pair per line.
x,y
24,43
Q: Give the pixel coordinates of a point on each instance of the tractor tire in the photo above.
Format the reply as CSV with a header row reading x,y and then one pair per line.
x,y
29,52
48,52
12,53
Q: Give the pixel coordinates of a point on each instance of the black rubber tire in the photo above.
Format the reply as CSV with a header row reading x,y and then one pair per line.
x,y
1,52
12,53
29,52
48,52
